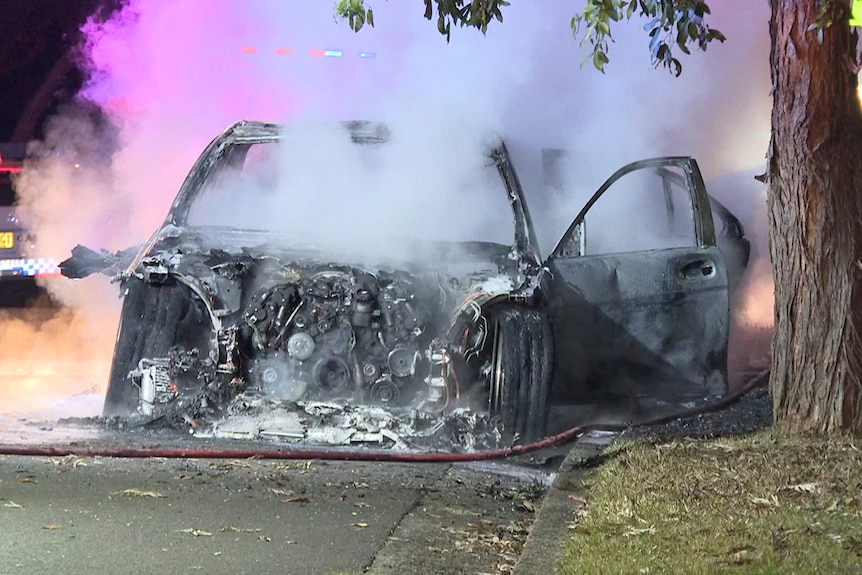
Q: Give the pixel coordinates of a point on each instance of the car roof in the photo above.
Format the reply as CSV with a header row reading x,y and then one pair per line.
x,y
361,131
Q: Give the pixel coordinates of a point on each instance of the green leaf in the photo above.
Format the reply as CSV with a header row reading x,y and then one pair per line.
x,y
599,60
356,21
369,17
693,30
715,35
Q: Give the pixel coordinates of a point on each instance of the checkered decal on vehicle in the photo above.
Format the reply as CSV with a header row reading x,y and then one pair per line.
x,y
31,267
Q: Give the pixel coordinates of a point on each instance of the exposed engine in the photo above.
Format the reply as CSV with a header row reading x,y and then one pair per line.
x,y
344,333
323,333
317,334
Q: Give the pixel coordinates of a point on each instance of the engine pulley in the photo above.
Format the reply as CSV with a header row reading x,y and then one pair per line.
x,y
300,346
331,374
276,378
402,361
384,391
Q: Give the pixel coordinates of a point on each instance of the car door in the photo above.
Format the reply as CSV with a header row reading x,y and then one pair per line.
x,y
637,292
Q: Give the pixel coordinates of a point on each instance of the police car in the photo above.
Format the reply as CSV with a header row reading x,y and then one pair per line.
x,y
15,240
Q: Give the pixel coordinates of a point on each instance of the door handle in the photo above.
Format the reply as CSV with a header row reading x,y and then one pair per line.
x,y
697,269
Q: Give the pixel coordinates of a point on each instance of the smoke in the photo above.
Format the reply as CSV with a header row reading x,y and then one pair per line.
x,y
53,361
318,188
166,77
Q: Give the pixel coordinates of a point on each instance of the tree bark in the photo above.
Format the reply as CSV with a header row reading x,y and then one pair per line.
x,y
815,218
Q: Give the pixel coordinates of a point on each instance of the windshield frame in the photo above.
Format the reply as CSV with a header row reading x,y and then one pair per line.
x,y
214,158
220,154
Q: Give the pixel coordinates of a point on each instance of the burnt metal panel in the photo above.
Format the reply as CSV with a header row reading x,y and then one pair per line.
x,y
645,328
649,327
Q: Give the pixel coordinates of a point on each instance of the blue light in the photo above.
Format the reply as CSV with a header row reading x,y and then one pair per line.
x,y
367,54
333,53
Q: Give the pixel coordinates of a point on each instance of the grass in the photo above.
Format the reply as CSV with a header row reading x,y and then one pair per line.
x,y
765,503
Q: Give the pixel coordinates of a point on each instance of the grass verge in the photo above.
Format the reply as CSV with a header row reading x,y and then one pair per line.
x,y
764,503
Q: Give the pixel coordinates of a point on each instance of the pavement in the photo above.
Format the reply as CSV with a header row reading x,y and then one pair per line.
x,y
104,515
564,501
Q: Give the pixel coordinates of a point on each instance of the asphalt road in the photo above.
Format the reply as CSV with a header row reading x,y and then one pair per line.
x,y
104,515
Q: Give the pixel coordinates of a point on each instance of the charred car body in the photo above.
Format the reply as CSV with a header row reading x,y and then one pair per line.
x,y
463,344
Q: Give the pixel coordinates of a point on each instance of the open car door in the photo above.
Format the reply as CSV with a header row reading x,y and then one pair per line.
x,y
638,294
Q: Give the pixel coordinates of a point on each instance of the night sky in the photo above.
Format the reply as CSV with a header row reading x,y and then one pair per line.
x,y
37,60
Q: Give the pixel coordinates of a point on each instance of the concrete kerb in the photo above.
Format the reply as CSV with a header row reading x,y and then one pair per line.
x,y
549,537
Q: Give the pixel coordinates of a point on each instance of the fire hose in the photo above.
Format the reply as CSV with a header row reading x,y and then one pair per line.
x,y
374,455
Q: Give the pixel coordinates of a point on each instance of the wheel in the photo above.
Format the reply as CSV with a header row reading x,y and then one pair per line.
x,y
521,366
154,318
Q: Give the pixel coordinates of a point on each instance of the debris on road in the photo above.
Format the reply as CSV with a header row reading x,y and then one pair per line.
x,y
141,493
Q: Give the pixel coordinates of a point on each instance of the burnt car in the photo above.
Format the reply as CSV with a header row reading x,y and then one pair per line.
x,y
255,311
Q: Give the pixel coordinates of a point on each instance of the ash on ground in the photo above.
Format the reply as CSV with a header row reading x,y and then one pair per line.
x,y
337,423
752,412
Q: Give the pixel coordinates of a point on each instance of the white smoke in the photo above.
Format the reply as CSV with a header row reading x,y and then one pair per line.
x,y
169,76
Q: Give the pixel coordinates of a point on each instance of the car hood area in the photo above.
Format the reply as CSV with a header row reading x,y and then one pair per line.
x,y
305,345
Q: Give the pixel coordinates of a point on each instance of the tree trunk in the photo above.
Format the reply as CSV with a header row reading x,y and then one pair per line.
x,y
815,218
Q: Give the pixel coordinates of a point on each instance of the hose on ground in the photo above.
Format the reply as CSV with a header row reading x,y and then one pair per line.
x,y
296,453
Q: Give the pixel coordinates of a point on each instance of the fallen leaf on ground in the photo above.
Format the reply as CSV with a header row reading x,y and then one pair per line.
x,y
27,480
803,487
238,530
640,531
50,527
227,465
296,500
67,461
744,556
196,532
142,493
362,525
13,505
771,501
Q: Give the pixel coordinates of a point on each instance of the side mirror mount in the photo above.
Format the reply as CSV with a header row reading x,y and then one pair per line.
x,y
579,238
576,243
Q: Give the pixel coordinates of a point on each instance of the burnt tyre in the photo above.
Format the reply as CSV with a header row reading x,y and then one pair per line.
x,y
154,318
521,366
